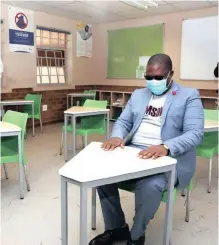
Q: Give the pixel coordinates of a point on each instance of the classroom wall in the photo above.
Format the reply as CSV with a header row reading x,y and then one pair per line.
x,y
172,46
20,68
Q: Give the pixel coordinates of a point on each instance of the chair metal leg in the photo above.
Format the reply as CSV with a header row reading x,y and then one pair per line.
x,y
25,135
61,144
26,177
84,138
41,125
209,175
93,210
183,193
6,171
188,194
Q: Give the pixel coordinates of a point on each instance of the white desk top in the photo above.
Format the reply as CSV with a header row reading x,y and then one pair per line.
x,y
8,127
80,95
93,163
211,125
8,102
82,110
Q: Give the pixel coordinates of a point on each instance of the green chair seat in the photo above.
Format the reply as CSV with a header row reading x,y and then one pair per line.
x,y
9,145
206,150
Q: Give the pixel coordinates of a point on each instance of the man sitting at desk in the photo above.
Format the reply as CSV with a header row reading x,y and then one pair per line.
x,y
162,119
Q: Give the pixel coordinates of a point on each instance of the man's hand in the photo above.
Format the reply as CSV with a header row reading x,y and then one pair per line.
x,y
153,152
112,143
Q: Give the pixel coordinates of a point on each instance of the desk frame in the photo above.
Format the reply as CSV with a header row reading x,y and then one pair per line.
x,y
20,102
93,184
73,116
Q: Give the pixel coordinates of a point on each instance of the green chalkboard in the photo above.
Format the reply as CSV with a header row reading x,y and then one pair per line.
x,y
125,46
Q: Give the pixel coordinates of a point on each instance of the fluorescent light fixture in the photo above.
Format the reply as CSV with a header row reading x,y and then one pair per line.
x,y
136,3
153,3
141,4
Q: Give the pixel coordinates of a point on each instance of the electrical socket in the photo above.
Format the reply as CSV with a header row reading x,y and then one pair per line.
x,y
44,107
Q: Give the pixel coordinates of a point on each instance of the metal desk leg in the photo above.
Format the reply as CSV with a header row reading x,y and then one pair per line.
x,y
2,111
94,209
65,139
107,126
83,216
21,173
72,100
67,102
74,134
64,211
33,119
169,206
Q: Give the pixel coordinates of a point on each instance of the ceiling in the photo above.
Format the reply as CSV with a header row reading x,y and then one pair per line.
x,y
109,11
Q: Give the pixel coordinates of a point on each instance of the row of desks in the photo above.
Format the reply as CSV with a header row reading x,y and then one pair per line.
x,y
31,102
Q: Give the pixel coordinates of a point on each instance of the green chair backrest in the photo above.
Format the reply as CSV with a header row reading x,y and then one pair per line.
x,y
94,121
83,99
37,103
211,115
16,118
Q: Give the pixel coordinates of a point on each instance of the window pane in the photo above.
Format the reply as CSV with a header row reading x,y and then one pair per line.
x,y
54,42
61,71
46,34
38,33
55,35
38,72
38,40
54,79
44,71
53,71
62,35
45,79
62,43
61,79
38,79
46,41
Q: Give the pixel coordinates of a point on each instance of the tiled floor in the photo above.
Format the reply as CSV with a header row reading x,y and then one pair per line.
x,y
36,219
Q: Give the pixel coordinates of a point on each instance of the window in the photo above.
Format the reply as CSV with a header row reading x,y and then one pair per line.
x,y
51,56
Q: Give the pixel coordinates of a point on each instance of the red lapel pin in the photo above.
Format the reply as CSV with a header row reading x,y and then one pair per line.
x,y
173,92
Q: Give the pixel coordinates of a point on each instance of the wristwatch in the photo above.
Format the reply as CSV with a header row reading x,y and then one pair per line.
x,y
167,148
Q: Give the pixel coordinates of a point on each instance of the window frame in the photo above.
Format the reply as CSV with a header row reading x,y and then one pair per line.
x,y
60,62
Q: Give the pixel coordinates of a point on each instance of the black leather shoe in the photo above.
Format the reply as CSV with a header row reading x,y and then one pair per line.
x,y
140,241
111,236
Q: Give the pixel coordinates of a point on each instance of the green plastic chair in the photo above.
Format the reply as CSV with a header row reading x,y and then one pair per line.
x,y
209,146
90,124
131,188
9,145
83,99
37,108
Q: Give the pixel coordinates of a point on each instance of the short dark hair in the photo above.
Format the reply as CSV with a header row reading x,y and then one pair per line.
x,y
161,59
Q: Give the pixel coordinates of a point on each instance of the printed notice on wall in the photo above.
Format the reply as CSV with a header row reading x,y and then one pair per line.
x,y
21,30
84,40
